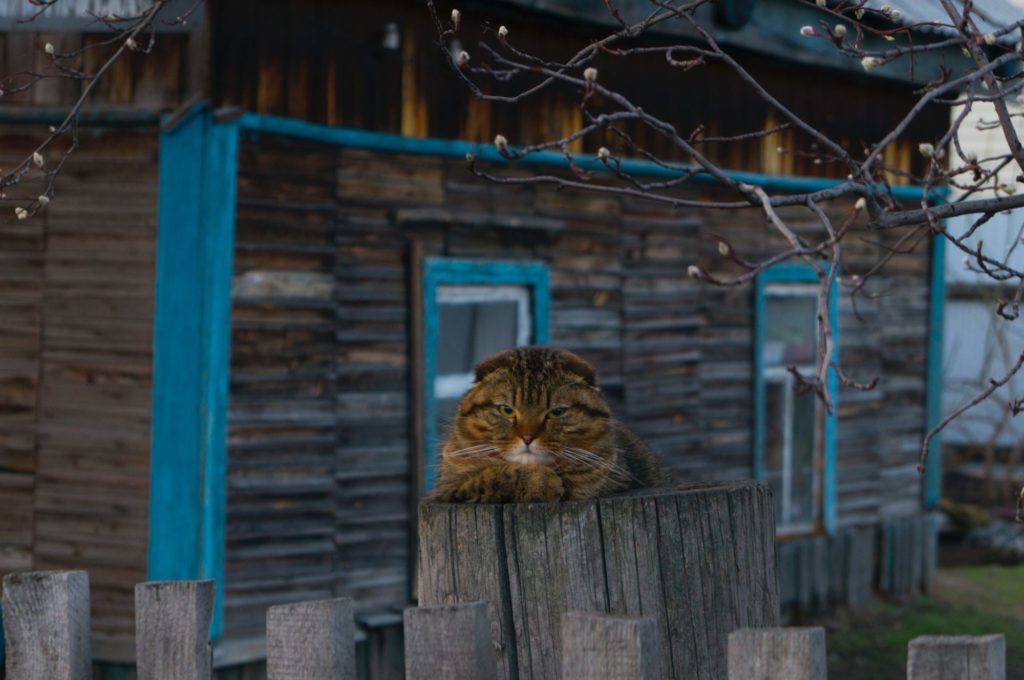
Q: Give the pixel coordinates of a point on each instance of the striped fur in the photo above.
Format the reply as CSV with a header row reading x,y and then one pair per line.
x,y
534,428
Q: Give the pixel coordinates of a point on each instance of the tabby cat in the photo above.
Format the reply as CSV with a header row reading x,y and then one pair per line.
x,y
535,429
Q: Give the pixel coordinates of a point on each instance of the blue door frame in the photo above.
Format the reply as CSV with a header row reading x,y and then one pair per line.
x,y
192,327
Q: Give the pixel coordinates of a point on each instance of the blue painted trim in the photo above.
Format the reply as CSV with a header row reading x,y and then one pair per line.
x,y
933,468
220,180
796,273
392,143
175,471
192,327
438,272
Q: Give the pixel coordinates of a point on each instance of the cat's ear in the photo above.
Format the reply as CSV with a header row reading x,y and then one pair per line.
x,y
492,364
577,366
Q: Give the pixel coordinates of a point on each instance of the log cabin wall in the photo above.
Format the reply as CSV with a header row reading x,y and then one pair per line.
x,y
321,451
76,317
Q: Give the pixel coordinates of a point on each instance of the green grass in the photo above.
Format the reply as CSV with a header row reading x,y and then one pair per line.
x,y
965,601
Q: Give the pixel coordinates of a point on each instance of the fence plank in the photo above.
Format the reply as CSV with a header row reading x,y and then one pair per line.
x,y
957,657
46,626
449,641
172,630
596,646
770,653
311,640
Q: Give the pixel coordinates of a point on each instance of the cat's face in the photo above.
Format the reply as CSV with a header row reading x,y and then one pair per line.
x,y
533,406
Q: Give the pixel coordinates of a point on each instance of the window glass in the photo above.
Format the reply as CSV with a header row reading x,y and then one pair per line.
x,y
473,323
774,442
790,327
802,505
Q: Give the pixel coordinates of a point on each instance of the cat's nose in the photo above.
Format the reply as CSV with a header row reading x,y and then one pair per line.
x,y
527,438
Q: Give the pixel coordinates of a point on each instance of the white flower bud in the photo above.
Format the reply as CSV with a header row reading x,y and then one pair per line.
x,y
131,44
48,48
870,63
989,39
21,213
859,14
37,158
807,31
456,18
501,142
896,16
590,74
693,271
723,249
603,153
44,200
840,30
463,58
861,204
926,149
502,32
885,9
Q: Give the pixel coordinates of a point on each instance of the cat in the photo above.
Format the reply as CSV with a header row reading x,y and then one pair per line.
x,y
534,428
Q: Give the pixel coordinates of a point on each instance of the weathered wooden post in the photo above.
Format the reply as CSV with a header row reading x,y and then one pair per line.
x,y
699,561
46,626
957,657
770,653
449,641
312,640
597,646
172,630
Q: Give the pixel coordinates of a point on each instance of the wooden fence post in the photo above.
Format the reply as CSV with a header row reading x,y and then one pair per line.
x,y
312,640
597,646
959,657
770,653
699,561
172,630
46,626
453,642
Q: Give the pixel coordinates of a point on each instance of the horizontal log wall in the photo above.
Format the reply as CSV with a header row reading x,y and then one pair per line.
x,y
321,446
76,313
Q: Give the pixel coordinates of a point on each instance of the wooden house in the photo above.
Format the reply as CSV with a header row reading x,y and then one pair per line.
x,y
231,342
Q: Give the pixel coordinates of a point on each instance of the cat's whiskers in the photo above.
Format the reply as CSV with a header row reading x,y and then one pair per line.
x,y
473,451
598,461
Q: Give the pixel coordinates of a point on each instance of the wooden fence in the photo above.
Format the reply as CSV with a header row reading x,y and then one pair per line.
x,y
46,629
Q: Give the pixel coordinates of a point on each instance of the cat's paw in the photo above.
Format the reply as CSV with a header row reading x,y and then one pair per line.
x,y
538,484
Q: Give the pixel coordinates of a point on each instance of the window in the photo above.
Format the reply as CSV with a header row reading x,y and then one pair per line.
x,y
794,437
472,309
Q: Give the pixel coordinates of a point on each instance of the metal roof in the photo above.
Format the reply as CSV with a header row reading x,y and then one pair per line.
x,y
989,15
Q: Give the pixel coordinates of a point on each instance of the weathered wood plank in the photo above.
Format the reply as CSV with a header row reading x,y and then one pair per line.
x,y
46,625
957,657
595,647
660,554
449,641
311,641
775,653
172,630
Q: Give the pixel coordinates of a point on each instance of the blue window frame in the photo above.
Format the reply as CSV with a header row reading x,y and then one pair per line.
x,y
472,308
794,439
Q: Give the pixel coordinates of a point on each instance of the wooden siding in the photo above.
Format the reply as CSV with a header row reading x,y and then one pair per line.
x,y
329,62
77,299
321,450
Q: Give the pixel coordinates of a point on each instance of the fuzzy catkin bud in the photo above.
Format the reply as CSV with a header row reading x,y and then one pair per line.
x,y
926,149
807,31
456,19
870,63
44,200
840,30
693,271
501,142
37,159
131,44
502,32
463,58
861,204
603,153
49,48
590,74
21,213
989,39
723,249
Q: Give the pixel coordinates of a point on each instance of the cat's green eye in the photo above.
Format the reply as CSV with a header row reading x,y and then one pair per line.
x,y
505,409
559,410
